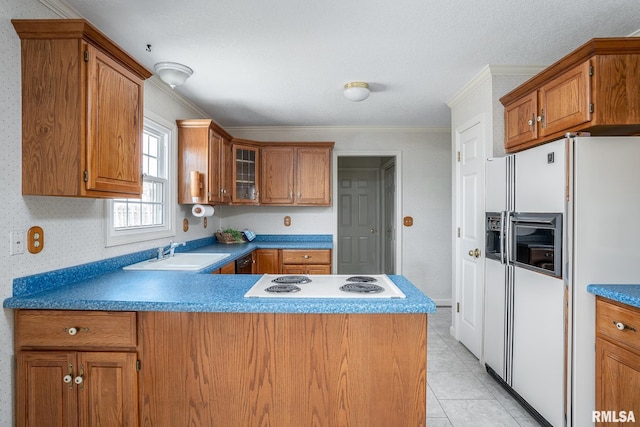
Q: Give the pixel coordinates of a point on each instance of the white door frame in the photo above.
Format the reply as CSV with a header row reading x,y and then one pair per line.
x,y
377,153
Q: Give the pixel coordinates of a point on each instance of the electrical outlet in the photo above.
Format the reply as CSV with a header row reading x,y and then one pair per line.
x,y
16,242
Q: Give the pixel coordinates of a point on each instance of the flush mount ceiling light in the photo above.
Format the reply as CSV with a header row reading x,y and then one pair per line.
x,y
356,91
172,73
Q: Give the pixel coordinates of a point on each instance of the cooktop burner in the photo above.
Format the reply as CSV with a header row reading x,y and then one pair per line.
x,y
362,288
282,289
324,286
362,279
297,280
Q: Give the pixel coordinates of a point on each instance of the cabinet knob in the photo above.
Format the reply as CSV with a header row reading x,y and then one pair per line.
x,y
306,256
621,326
73,330
67,379
78,380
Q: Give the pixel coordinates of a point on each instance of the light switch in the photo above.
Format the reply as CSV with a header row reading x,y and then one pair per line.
x,y
408,221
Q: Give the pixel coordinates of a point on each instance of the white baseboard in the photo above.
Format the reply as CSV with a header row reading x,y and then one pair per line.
x,y
442,302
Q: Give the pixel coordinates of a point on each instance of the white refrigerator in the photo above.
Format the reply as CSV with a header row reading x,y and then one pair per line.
x,y
524,309
539,332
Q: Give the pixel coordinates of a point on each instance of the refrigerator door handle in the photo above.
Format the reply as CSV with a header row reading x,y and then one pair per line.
x,y
503,258
507,236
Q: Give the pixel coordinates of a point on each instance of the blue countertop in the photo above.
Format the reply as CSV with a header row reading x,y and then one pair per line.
x,y
626,294
103,285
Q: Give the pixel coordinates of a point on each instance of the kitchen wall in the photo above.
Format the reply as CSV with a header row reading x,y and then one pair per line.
x,y
73,228
424,179
74,231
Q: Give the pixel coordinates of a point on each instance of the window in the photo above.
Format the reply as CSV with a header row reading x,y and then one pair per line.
x,y
150,217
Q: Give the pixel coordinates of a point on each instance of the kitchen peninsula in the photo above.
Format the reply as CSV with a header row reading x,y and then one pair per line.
x,y
196,352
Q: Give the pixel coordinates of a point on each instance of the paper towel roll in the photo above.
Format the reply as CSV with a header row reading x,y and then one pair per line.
x,y
202,210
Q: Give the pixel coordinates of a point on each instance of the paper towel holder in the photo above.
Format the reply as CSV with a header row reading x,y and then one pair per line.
x,y
195,186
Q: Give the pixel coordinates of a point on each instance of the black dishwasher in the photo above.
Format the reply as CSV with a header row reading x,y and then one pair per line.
x,y
243,265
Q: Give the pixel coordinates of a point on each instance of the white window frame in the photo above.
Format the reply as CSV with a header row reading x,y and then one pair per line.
x,y
113,236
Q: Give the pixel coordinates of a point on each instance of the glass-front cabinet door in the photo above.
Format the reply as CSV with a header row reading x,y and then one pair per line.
x,y
245,174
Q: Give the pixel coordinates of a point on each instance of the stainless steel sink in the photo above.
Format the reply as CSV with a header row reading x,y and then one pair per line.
x,y
180,261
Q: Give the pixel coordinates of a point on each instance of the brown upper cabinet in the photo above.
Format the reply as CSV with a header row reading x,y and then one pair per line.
x,y
205,148
595,89
82,112
244,172
296,174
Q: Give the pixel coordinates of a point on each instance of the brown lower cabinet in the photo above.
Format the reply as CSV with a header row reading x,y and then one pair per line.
x,y
617,361
266,261
306,261
259,369
229,268
76,368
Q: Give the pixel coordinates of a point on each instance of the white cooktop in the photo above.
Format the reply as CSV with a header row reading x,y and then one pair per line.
x,y
324,286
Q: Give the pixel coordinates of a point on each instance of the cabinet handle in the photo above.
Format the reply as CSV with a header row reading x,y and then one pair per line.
x,y
68,379
621,326
541,118
73,331
80,378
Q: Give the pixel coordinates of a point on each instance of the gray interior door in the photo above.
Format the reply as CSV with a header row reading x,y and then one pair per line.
x,y
358,221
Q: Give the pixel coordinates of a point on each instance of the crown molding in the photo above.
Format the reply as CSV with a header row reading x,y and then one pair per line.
x,y
491,71
179,98
61,9
337,129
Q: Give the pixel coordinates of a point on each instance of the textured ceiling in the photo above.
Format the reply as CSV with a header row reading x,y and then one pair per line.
x,y
284,62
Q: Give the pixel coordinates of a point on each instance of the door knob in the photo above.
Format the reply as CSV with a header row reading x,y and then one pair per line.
x,y
373,231
474,252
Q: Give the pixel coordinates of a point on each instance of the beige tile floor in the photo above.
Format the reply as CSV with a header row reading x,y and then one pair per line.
x,y
460,392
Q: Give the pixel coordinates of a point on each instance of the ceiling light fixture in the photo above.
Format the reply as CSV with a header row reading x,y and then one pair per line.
x,y
172,73
356,91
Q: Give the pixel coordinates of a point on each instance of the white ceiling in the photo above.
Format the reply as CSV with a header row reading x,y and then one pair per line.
x,y
284,62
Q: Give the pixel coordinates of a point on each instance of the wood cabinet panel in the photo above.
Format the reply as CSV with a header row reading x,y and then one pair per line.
x,y
239,369
565,101
520,121
313,177
109,394
82,112
306,261
617,79
266,261
297,175
246,174
306,269
595,89
204,147
617,358
95,329
114,146
610,314
306,256
63,387
617,379
42,397
278,165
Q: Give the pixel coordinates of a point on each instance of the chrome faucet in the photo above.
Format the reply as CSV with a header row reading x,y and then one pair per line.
x,y
169,249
